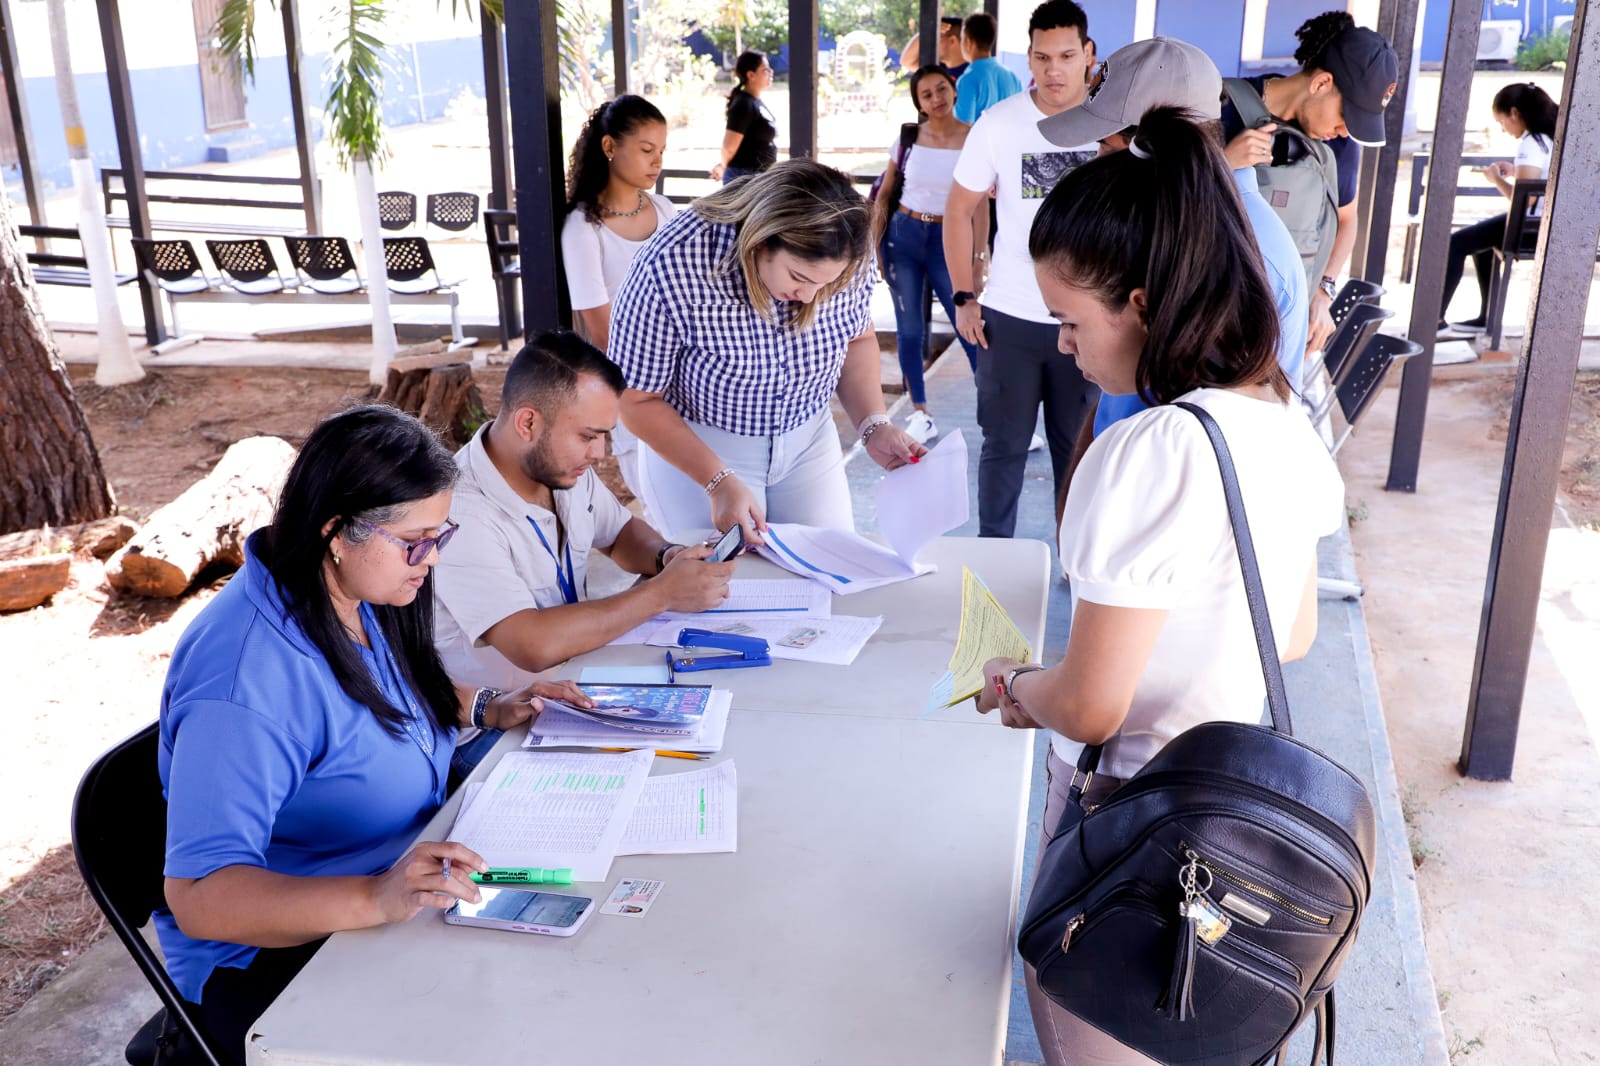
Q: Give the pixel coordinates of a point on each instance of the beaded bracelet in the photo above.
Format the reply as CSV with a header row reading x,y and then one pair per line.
x,y
869,426
721,476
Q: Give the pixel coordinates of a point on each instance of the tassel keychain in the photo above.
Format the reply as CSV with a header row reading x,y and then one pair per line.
x,y
1200,919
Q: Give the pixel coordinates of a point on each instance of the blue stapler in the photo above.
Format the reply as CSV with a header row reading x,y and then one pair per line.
x,y
744,651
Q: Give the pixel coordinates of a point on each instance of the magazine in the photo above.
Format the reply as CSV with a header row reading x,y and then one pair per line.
x,y
665,710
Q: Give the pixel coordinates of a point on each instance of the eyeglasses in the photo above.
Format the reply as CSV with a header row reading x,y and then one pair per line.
x,y
416,550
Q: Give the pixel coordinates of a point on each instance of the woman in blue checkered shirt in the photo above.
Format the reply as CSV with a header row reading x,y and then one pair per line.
x,y
736,324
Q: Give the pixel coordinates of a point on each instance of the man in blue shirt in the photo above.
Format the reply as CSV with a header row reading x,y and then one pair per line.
x,y
986,81
1165,72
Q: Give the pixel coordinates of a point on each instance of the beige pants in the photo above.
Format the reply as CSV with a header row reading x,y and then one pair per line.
x,y
1066,1039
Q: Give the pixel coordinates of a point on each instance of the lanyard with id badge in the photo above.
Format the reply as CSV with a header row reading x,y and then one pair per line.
x,y
568,582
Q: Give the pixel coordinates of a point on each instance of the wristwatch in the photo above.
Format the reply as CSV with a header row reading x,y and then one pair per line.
x,y
960,298
1016,672
1329,287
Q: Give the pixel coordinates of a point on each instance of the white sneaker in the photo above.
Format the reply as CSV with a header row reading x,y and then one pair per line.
x,y
920,427
1036,443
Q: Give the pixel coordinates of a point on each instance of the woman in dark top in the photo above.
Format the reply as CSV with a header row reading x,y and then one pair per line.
x,y
747,144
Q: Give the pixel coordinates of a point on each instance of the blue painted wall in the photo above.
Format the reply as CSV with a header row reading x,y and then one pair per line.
x,y
1110,23
1218,29
1535,16
171,121
1286,16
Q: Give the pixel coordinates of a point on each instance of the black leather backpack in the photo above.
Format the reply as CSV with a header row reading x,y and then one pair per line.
x,y
1201,913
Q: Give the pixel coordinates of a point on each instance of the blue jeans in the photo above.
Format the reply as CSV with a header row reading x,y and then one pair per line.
x,y
913,260
730,173
467,756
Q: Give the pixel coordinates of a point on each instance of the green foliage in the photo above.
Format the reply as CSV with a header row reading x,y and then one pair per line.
x,y
355,84
235,31
763,25
894,19
1545,52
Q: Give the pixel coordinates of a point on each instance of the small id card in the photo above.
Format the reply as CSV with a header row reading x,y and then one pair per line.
x,y
631,897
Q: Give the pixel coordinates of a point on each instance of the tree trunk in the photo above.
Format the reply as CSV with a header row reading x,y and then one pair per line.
x,y
438,389
207,524
50,472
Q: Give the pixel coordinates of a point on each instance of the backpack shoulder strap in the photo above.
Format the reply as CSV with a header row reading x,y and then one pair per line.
x,y
1252,109
1255,594
908,137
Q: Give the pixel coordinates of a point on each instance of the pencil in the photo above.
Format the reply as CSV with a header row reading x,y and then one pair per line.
x,y
666,754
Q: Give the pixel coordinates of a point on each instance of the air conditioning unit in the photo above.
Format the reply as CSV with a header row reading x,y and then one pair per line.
x,y
1498,39
1561,24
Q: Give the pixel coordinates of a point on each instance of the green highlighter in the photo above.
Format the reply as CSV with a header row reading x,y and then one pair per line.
x,y
526,875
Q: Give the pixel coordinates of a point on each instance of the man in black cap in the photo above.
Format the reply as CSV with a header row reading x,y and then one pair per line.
x,y
1347,75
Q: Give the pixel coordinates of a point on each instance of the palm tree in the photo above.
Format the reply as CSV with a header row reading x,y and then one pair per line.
x,y
354,118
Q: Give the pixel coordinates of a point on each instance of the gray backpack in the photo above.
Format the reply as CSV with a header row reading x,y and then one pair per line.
x,y
1305,191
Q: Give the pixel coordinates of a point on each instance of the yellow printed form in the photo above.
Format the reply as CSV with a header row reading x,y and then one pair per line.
x,y
987,632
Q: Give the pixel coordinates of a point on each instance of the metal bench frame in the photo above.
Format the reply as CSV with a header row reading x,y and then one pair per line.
x,y
52,268
113,190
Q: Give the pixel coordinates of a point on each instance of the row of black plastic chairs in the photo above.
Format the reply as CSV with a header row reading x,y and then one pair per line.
x,y
453,211
324,265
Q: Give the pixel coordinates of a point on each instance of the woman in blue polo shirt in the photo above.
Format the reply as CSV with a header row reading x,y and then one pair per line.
x,y
307,726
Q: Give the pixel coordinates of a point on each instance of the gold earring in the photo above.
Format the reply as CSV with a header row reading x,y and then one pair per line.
x,y
336,559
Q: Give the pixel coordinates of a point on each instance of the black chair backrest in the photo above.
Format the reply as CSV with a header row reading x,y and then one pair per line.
x,y
1522,225
407,258
503,251
397,210
119,833
1351,336
1360,386
1355,291
453,210
167,260
246,260
322,258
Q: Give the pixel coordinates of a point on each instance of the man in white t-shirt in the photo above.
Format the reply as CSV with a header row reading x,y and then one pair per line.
x,y
512,601
1019,363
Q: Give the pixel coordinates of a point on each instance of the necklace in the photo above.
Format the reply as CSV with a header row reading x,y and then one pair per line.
x,y
625,214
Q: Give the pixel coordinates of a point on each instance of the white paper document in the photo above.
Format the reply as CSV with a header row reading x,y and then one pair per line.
x,y
837,559
835,641
923,501
697,811
555,809
553,729
778,596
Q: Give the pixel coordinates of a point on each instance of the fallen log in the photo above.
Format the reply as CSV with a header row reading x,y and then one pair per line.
x,y
207,524
99,538
27,583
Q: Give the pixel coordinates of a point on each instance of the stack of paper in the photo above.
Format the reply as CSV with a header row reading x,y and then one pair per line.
x,y
987,632
781,597
554,728
916,504
518,817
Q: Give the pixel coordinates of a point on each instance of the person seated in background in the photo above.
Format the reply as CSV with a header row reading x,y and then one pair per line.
x,y
513,597
611,212
986,80
307,724
1526,112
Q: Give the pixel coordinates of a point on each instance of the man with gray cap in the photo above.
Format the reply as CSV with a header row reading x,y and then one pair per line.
x,y
1347,75
1163,72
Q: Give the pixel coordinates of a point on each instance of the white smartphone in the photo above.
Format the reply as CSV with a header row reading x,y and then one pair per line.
x,y
522,911
731,544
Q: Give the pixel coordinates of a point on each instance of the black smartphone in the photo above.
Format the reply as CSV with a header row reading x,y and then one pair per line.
x,y
728,545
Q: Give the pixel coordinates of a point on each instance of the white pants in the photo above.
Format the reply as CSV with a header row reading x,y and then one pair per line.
x,y
796,476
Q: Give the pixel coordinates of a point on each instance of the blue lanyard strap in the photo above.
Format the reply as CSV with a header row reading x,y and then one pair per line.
x,y
568,581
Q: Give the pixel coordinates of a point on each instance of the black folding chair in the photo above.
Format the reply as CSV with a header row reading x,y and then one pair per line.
x,y
119,832
248,266
175,265
1364,376
1521,241
1355,291
409,262
506,266
453,211
396,209
325,264
1360,323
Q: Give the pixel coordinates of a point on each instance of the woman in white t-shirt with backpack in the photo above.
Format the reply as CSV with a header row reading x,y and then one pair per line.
x,y
1146,259
908,228
611,213
1526,112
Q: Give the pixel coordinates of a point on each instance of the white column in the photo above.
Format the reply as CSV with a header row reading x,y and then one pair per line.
x,y
384,344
